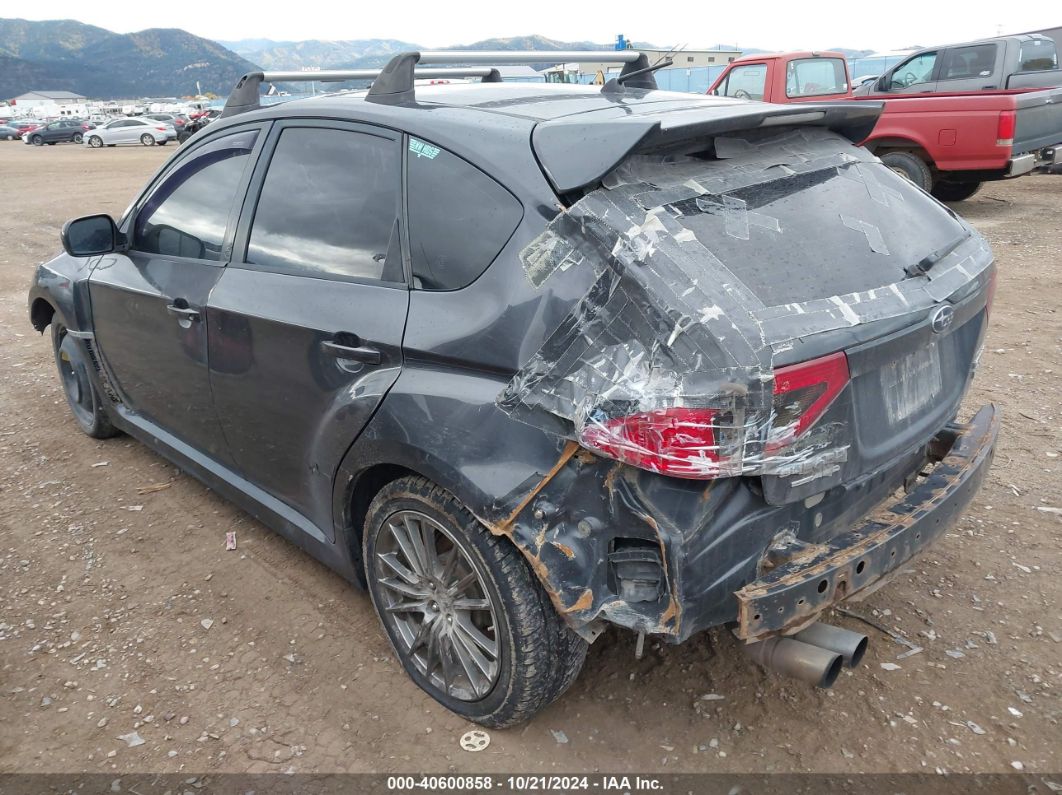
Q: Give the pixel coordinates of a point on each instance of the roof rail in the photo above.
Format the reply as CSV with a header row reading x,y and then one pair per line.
x,y
393,84
245,95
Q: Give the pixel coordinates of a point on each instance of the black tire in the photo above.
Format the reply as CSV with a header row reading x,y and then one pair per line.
x,y
955,191
36,140
81,395
95,141
163,142
538,656
147,139
78,138
911,167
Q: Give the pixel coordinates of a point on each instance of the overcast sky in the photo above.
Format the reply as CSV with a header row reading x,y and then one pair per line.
x,y
811,24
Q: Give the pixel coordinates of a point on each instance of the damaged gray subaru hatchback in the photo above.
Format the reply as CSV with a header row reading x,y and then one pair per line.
x,y
529,360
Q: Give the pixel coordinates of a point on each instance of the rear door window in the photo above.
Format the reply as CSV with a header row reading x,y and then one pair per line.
x,y
978,60
459,218
329,206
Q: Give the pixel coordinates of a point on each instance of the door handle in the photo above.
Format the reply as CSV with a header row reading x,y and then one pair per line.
x,y
357,353
183,312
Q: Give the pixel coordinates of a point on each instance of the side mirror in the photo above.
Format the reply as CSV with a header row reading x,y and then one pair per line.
x,y
90,236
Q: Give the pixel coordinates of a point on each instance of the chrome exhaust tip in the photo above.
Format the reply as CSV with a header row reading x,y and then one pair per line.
x,y
850,645
803,661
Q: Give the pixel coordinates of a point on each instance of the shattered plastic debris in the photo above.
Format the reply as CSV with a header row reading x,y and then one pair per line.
x,y
888,666
559,736
133,739
475,740
667,361
230,540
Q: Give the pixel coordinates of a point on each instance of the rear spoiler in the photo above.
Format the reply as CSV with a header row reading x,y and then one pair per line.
x,y
578,151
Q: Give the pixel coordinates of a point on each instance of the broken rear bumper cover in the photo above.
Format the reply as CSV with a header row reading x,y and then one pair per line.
x,y
792,595
669,557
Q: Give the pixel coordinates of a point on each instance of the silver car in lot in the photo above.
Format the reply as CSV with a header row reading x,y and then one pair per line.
x,y
147,132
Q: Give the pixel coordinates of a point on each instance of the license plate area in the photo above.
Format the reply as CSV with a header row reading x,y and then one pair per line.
x,y
911,383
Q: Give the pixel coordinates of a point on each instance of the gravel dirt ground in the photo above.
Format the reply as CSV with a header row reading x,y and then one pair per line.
x,y
132,641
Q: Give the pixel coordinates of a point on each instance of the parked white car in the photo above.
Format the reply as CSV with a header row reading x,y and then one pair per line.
x,y
131,131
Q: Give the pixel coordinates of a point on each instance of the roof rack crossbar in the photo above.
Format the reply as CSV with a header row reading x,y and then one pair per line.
x,y
393,84
245,95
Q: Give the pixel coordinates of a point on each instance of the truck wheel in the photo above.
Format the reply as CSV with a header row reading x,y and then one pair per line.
x,y
910,167
82,397
955,191
462,609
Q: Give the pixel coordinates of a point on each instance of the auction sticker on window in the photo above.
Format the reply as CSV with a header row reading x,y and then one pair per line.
x,y
911,383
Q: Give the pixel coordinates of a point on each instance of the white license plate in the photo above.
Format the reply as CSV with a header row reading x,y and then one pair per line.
x,y
911,383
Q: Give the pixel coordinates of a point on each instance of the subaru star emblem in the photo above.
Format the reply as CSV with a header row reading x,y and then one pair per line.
x,y
941,319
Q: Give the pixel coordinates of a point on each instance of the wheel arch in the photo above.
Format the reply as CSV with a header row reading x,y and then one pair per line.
x,y
893,143
42,312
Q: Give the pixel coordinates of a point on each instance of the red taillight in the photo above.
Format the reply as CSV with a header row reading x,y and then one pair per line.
x,y
1005,128
682,442
802,392
161,129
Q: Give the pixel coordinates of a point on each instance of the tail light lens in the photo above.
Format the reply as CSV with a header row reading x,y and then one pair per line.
x,y
705,443
1005,127
161,129
802,392
677,441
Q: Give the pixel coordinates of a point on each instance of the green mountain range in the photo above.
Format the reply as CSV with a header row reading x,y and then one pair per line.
x,y
71,56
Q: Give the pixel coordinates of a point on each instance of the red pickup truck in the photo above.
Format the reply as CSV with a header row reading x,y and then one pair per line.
x,y
947,144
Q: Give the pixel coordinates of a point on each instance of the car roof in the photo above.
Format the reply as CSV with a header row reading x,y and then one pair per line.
x,y
533,102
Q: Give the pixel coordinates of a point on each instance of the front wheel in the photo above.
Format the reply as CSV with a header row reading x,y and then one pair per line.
x,y
95,141
81,395
147,139
955,191
462,609
36,140
910,167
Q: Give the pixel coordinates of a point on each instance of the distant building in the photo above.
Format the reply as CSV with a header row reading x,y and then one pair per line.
x,y
682,59
47,104
32,99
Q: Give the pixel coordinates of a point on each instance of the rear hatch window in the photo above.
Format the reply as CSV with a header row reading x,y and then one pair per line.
x,y
839,229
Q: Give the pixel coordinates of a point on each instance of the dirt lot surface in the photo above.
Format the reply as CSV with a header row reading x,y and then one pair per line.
x,y
122,612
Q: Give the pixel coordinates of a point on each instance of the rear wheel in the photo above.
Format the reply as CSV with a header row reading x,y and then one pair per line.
x,y
95,141
465,615
955,191
81,395
78,138
147,140
910,167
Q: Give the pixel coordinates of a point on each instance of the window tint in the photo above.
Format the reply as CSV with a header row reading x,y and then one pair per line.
x,y
976,61
329,206
746,82
187,214
459,218
1038,54
917,70
810,77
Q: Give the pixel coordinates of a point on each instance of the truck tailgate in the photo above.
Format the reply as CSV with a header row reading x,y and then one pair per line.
x,y
1039,120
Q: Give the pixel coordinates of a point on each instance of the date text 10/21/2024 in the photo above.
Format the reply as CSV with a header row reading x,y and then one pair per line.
x,y
526,783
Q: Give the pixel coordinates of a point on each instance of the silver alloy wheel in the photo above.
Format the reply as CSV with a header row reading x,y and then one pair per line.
x,y
437,606
95,142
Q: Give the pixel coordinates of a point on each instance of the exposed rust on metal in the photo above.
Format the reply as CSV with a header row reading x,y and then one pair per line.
x,y
505,526
565,550
839,566
584,602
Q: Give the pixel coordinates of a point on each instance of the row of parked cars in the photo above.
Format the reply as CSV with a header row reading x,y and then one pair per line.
x,y
148,130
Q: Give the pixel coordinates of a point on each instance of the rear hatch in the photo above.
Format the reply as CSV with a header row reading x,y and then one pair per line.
x,y
722,262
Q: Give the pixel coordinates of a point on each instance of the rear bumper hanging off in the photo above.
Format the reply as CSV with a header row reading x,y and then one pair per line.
x,y
792,595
